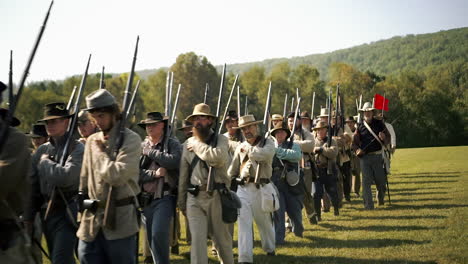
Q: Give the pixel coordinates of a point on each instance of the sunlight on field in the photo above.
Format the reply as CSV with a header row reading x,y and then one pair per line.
x,y
425,223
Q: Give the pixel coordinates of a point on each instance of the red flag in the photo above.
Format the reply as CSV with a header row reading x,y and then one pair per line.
x,y
379,102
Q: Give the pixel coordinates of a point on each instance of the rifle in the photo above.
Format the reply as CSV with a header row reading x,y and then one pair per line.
x,y
291,138
72,96
102,84
266,126
238,101
359,121
11,96
335,128
132,102
214,142
207,88
292,104
67,146
15,99
312,108
227,105
246,111
285,105
109,211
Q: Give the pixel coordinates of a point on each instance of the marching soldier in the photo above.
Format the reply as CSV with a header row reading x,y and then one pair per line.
x,y
15,245
306,121
55,186
202,208
109,220
86,127
275,119
325,159
159,178
286,179
306,141
368,140
355,166
186,129
248,158
38,135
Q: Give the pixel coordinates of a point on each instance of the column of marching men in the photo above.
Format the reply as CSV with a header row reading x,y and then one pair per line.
x,y
90,207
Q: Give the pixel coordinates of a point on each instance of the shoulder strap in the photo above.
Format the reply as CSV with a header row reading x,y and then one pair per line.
x,y
373,134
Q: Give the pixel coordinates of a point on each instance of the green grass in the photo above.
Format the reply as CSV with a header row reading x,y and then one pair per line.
x,y
425,223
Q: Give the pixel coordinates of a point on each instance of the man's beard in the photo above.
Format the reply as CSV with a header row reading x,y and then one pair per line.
x,y
368,119
201,132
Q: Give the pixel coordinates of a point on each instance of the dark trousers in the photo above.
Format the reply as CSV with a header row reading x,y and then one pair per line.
x,y
101,250
159,214
327,182
291,204
347,179
60,235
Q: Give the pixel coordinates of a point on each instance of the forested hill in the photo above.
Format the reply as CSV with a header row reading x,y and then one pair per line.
x,y
384,57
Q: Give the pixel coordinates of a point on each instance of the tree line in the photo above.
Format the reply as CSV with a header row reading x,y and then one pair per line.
x,y
428,108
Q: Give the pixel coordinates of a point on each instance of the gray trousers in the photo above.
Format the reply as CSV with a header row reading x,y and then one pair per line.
x,y
60,235
373,171
101,250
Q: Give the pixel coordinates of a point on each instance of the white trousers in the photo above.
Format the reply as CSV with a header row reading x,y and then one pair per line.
x,y
251,210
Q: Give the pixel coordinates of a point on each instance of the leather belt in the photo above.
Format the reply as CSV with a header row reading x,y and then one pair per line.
x,y
375,152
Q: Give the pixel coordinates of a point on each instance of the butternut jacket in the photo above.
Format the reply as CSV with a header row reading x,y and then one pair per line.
x,y
248,157
327,153
215,157
98,173
14,168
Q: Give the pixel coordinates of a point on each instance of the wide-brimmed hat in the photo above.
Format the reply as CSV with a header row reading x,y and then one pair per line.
x,y
231,115
98,99
14,121
323,112
151,118
367,107
320,124
38,130
276,117
293,114
281,126
186,124
305,115
247,120
200,110
54,111
350,119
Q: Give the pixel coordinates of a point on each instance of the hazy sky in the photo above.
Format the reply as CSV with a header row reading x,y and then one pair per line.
x,y
223,31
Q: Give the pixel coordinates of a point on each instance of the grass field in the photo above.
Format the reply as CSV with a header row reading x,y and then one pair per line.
x,y
425,223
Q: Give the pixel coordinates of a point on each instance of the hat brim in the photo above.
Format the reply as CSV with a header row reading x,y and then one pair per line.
x,y
317,128
367,110
189,118
275,130
35,135
248,124
53,117
184,127
143,123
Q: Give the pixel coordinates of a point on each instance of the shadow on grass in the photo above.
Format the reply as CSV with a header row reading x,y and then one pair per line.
x,y
419,199
430,173
399,217
428,176
425,206
282,259
414,193
421,182
321,242
375,228
404,189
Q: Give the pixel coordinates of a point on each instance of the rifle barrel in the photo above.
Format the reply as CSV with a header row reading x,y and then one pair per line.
x,y
31,57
